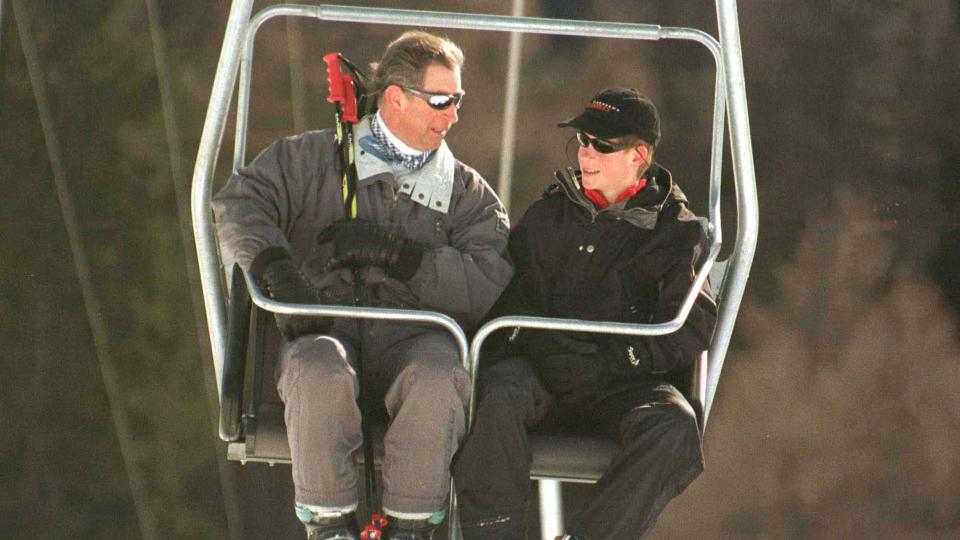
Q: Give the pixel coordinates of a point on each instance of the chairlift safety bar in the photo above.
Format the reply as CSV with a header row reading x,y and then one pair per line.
x,y
438,319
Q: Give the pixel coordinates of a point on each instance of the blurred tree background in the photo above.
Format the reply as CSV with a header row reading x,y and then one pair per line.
x,y
837,415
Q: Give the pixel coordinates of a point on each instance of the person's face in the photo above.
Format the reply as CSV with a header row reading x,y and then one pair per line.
x,y
612,173
419,125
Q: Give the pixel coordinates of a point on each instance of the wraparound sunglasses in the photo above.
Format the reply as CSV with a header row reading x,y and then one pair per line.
x,y
600,145
437,101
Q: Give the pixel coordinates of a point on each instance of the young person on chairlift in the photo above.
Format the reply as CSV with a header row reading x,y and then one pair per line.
x,y
613,241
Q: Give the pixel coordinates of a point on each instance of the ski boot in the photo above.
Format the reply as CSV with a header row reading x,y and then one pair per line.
x,y
409,529
343,527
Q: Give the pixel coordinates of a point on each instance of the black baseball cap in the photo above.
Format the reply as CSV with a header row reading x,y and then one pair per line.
x,y
616,112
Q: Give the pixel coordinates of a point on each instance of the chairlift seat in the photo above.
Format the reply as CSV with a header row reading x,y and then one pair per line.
x,y
584,458
264,435
265,439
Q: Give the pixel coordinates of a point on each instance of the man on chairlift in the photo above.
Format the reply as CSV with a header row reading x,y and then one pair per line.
x,y
428,233
612,241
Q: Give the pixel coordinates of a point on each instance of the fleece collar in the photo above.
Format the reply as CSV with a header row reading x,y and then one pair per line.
x,y
641,210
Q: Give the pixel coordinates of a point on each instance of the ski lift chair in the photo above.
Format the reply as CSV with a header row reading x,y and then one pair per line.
x,y
252,414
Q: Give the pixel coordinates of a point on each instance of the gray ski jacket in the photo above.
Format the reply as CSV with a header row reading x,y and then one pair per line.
x,y
292,191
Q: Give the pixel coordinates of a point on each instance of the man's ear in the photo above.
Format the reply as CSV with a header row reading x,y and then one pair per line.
x,y
643,153
393,97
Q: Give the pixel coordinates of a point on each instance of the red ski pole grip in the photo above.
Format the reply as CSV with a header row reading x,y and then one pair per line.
x,y
335,78
341,88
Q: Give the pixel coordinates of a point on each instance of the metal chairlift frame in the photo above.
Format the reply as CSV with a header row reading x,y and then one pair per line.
x,y
729,100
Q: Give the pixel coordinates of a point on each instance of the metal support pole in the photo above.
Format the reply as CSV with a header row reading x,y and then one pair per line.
x,y
551,508
508,143
210,140
746,190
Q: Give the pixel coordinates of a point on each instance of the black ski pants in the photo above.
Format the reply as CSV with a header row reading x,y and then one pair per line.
x,y
655,425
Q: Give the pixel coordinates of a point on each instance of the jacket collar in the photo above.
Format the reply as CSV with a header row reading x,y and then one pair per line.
x,y
641,210
430,186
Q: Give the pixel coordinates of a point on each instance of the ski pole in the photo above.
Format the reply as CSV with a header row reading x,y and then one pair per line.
x,y
343,94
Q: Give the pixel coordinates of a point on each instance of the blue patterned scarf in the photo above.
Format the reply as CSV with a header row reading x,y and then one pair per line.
x,y
392,153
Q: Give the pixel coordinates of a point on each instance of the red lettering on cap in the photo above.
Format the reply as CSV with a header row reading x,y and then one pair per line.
x,y
601,106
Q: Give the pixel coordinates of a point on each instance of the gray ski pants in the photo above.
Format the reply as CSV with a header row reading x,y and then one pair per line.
x,y
420,382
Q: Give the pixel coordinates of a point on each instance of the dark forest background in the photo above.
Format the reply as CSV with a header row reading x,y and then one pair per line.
x,y
837,415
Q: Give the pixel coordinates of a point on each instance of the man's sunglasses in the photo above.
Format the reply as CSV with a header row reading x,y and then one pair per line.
x,y
600,145
437,101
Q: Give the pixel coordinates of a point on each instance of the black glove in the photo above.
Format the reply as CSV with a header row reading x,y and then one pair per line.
x,y
284,282
573,379
567,363
357,243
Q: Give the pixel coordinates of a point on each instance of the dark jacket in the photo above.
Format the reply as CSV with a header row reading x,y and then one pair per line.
x,y
632,262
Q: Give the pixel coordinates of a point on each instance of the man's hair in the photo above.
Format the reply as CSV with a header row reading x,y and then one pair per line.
x,y
406,59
